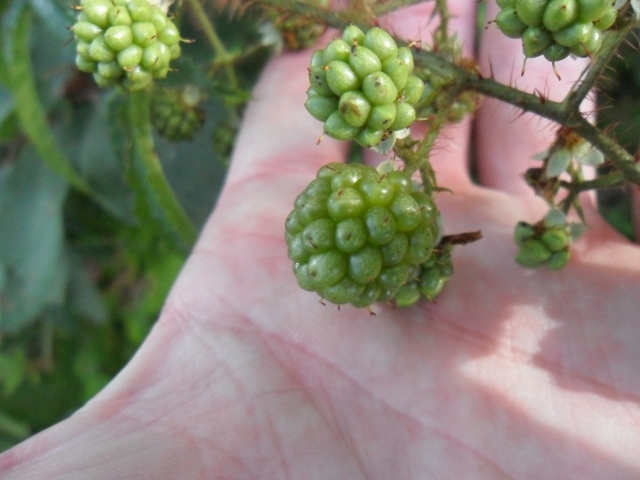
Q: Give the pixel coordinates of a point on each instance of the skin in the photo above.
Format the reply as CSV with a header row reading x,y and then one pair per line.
x,y
512,373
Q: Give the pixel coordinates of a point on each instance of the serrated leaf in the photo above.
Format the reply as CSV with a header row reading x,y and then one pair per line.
x,y
31,240
558,162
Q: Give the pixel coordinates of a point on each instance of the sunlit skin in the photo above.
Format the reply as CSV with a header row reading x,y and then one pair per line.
x,y
512,373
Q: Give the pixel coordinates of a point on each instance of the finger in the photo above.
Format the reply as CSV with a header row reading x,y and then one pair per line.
x,y
505,138
277,151
278,136
449,156
635,208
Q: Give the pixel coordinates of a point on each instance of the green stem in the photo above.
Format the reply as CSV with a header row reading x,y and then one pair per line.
x,y
598,64
442,32
391,5
46,345
164,204
222,56
610,179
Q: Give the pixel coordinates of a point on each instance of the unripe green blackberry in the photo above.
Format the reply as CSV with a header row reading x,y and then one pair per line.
x,y
124,42
357,236
542,244
175,113
362,87
556,28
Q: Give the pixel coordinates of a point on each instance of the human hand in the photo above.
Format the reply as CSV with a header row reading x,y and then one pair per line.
x,y
512,373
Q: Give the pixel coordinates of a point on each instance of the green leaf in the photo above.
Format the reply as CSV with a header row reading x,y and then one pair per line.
x,y
156,202
31,198
16,67
13,366
56,15
85,139
13,427
89,371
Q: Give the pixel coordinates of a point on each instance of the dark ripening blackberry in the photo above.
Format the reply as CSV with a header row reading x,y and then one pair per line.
x,y
556,28
358,236
362,88
124,42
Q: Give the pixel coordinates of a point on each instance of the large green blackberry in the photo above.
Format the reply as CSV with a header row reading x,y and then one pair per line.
x,y
128,42
362,87
556,28
357,236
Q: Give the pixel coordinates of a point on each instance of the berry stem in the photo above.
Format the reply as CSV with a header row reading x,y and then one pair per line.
x,y
152,183
610,179
391,5
598,63
442,31
222,56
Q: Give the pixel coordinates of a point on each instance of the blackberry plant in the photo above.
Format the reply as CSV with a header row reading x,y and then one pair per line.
x,y
83,169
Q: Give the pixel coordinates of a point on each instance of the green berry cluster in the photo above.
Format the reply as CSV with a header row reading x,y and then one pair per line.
x,y
556,28
175,112
540,244
362,87
357,236
128,42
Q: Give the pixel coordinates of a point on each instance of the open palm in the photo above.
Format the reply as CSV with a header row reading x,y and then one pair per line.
x,y
512,373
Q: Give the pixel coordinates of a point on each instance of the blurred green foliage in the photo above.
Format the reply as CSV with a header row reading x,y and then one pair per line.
x,y
89,243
